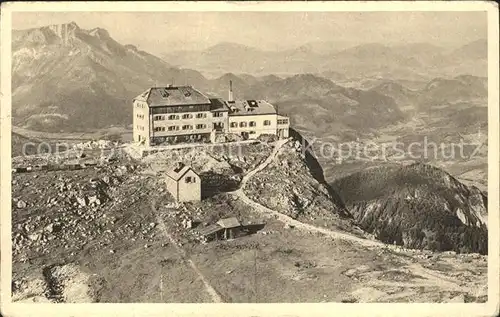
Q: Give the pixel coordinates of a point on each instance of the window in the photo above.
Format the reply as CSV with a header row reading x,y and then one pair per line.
x,y
218,114
173,117
267,122
251,132
159,129
201,115
187,127
283,121
187,116
157,118
243,124
234,124
201,126
190,179
253,124
164,93
173,128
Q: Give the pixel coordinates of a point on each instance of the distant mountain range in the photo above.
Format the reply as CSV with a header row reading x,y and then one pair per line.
x,y
69,79
438,92
411,61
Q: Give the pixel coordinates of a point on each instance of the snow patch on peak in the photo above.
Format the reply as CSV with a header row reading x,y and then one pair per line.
x,y
66,32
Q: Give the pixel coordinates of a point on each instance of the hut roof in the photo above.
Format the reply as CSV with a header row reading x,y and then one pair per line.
x,y
229,222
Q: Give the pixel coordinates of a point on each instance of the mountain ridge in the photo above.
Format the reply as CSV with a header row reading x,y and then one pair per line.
x,y
418,206
405,59
88,68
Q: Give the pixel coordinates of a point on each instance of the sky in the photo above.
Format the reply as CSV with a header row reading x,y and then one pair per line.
x,y
162,32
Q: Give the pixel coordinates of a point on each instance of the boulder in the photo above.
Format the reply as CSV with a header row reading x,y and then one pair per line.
x,y
49,228
34,236
21,204
81,201
457,299
94,200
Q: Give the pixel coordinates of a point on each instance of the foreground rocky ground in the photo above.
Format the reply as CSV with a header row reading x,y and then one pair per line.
x,y
111,233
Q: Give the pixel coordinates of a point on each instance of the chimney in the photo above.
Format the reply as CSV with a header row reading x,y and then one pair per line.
x,y
178,166
230,90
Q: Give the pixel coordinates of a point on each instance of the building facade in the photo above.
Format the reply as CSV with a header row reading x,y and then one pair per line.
x,y
169,115
183,183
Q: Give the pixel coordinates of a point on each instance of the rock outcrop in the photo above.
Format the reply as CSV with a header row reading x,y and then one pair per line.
x,y
418,206
293,184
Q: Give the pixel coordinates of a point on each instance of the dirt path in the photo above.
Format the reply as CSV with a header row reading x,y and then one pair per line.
x,y
279,145
161,225
432,277
284,218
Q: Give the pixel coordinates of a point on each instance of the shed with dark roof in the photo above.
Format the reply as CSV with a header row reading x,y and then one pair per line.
x,y
229,223
227,228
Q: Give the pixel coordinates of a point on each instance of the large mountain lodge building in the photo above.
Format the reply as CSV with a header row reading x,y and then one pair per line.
x,y
176,114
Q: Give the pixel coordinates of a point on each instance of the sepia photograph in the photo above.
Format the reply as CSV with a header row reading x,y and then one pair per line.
x,y
249,154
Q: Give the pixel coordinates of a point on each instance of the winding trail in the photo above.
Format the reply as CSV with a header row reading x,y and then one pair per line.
x,y
432,277
429,278
284,218
161,225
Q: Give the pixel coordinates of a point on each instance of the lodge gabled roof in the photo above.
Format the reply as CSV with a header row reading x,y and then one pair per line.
x,y
173,96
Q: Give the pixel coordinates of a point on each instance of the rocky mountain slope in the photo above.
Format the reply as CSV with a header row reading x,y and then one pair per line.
x,y
293,184
92,80
418,206
68,78
69,228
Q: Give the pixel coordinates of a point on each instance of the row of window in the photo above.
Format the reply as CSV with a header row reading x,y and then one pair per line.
x,y
177,128
140,116
241,124
186,116
139,127
244,124
177,109
177,117
141,105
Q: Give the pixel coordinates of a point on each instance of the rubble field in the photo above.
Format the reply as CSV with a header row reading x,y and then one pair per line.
x,y
288,186
272,264
111,233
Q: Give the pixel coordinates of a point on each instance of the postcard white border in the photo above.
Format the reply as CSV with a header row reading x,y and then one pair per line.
x,y
491,308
